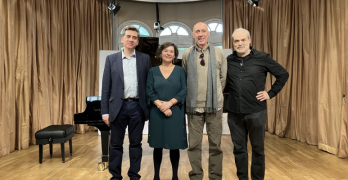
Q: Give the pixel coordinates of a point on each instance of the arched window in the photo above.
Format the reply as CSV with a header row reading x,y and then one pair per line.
x,y
178,33
144,30
215,28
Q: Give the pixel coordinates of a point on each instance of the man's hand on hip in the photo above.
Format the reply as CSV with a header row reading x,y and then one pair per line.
x,y
262,95
106,120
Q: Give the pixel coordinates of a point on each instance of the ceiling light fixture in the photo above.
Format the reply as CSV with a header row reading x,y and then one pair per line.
x,y
114,8
253,2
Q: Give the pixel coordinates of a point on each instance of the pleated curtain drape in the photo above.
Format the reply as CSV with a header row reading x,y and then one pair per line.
x,y
309,38
49,54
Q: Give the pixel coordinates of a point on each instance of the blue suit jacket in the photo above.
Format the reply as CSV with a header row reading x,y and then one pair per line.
x,y
113,83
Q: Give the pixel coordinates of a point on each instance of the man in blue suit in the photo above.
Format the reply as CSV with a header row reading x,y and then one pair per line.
x,y
124,102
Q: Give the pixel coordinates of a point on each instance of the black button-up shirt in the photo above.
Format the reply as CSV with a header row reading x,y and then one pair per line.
x,y
246,76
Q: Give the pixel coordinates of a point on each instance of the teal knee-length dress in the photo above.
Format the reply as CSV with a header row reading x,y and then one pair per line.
x,y
167,132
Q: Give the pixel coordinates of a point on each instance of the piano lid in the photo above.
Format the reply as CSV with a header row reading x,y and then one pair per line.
x,y
149,45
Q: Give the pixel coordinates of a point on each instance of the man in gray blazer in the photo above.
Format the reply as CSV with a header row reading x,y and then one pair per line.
x,y
124,102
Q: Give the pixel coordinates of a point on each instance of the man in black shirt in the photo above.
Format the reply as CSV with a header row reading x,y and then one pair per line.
x,y
246,102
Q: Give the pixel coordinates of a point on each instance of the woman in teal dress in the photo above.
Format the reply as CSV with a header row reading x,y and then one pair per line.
x,y
166,91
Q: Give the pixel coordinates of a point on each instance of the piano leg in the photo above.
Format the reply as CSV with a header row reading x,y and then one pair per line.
x,y
105,151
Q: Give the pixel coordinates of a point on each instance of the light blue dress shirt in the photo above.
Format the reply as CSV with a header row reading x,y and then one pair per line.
x,y
130,76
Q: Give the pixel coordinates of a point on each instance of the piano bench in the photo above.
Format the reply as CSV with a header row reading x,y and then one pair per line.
x,y
55,134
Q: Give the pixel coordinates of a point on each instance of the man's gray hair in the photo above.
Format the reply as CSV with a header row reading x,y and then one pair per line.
x,y
132,28
241,29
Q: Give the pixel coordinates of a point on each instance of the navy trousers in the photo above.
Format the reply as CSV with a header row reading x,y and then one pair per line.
x,y
131,115
242,125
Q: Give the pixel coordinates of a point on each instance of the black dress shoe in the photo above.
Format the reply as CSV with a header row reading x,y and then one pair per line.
x,y
136,178
115,179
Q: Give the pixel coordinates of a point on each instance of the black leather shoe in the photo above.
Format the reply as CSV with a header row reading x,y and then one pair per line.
x,y
136,178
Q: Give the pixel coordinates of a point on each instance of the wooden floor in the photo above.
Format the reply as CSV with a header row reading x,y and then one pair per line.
x,y
285,159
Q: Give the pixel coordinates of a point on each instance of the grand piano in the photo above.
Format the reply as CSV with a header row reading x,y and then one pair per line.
x,y
92,117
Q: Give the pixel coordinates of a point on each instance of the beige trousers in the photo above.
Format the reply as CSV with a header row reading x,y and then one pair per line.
x,y
214,130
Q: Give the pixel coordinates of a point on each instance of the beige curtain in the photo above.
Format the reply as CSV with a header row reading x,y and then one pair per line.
x,y
309,38
49,53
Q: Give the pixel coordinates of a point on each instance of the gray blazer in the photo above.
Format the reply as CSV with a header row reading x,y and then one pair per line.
x,y
113,83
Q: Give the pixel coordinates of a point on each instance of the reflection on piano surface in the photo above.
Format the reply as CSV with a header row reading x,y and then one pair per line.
x,y
92,117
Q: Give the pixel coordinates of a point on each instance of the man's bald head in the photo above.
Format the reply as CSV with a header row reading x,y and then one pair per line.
x,y
200,24
201,34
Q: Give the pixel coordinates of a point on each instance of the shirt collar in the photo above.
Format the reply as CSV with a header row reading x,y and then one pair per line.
x,y
124,56
201,50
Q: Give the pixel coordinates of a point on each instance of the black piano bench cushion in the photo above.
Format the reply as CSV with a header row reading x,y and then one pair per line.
x,y
55,134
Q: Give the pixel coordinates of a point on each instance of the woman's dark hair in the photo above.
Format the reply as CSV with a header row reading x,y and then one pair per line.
x,y
164,46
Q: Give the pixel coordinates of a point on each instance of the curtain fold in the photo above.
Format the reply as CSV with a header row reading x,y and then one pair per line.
x,y
49,54
309,39
343,150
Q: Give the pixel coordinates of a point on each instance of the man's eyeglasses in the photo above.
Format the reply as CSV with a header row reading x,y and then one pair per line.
x,y
202,61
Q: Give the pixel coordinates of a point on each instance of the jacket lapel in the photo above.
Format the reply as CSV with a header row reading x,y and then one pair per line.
x,y
119,66
138,64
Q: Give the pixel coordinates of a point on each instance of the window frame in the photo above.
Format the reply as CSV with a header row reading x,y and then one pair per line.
x,y
182,41
215,37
